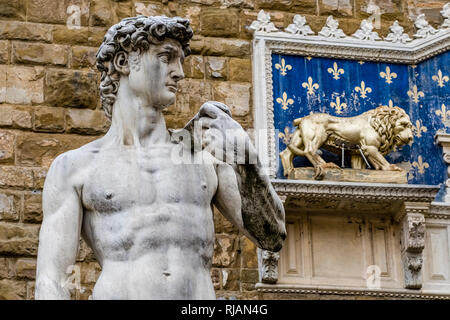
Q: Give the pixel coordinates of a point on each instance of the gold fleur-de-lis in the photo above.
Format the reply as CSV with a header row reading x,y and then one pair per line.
x,y
419,128
415,94
286,136
338,106
440,79
310,85
361,62
388,75
443,113
390,104
283,67
309,58
363,90
336,71
285,102
421,165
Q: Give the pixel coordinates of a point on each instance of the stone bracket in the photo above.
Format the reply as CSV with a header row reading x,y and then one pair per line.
x,y
268,266
412,220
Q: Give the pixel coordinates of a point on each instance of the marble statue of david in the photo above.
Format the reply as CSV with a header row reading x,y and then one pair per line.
x,y
148,218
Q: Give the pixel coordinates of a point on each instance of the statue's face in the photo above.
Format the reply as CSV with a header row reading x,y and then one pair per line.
x,y
155,73
403,131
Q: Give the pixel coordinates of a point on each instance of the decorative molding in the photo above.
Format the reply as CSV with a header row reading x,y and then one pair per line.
x,y
331,29
443,140
397,34
269,268
424,30
353,191
263,23
299,26
331,42
438,210
446,14
327,290
365,32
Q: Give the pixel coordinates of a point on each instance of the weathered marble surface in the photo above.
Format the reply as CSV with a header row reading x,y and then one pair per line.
x,y
147,217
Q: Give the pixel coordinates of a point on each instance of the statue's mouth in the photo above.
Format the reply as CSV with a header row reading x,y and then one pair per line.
x,y
172,87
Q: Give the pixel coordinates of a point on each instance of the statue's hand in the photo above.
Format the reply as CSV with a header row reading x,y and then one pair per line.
x,y
220,135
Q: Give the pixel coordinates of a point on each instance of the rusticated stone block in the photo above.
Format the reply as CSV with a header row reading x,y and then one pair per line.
x,y
84,57
3,71
249,275
101,13
32,208
15,116
234,95
338,8
225,251
20,177
35,149
222,225
86,121
50,119
216,278
95,36
90,271
230,279
24,85
25,268
64,35
7,140
194,67
192,93
9,206
226,47
13,9
38,53
50,11
18,239
4,268
12,290
219,23
240,70
39,175
217,68
64,88
4,51
31,285
15,30
248,253
283,5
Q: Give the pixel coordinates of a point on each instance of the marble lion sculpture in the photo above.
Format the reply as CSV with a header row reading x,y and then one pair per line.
x,y
374,133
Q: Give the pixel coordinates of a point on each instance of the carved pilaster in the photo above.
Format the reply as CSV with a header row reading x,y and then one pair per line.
x,y
269,266
412,221
443,139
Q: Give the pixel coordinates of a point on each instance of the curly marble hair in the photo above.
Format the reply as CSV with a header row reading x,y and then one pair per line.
x,y
135,34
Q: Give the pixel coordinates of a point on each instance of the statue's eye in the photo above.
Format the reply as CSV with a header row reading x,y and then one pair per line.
x,y
164,57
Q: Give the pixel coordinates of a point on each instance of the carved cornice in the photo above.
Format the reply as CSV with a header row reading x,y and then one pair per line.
x,y
364,44
439,211
390,293
351,190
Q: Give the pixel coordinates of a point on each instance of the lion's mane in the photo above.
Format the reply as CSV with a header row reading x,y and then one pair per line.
x,y
382,120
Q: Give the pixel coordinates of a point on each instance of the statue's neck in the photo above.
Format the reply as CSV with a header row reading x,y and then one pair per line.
x,y
134,122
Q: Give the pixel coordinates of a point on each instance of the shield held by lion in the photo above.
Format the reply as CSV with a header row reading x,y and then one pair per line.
x,y
375,133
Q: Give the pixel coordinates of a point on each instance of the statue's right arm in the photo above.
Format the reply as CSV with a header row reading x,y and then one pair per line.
x,y
60,231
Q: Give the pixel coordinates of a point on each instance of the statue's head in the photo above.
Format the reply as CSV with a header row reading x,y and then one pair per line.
x,y
149,52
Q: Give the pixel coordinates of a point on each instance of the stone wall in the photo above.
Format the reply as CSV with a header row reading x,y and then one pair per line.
x,y
49,104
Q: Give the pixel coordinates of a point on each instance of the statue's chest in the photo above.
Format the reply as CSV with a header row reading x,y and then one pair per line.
x,y
129,179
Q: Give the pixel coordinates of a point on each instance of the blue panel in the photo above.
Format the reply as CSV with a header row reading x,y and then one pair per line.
x,y
348,88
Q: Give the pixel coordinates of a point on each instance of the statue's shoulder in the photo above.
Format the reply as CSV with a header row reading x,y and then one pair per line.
x,y
70,162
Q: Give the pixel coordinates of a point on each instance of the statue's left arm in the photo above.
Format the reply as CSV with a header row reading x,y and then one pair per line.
x,y
244,194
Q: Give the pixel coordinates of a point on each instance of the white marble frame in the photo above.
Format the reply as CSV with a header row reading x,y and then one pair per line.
x,y
331,42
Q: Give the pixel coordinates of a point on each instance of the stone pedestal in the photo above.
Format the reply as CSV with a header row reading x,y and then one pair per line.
x,y
350,175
